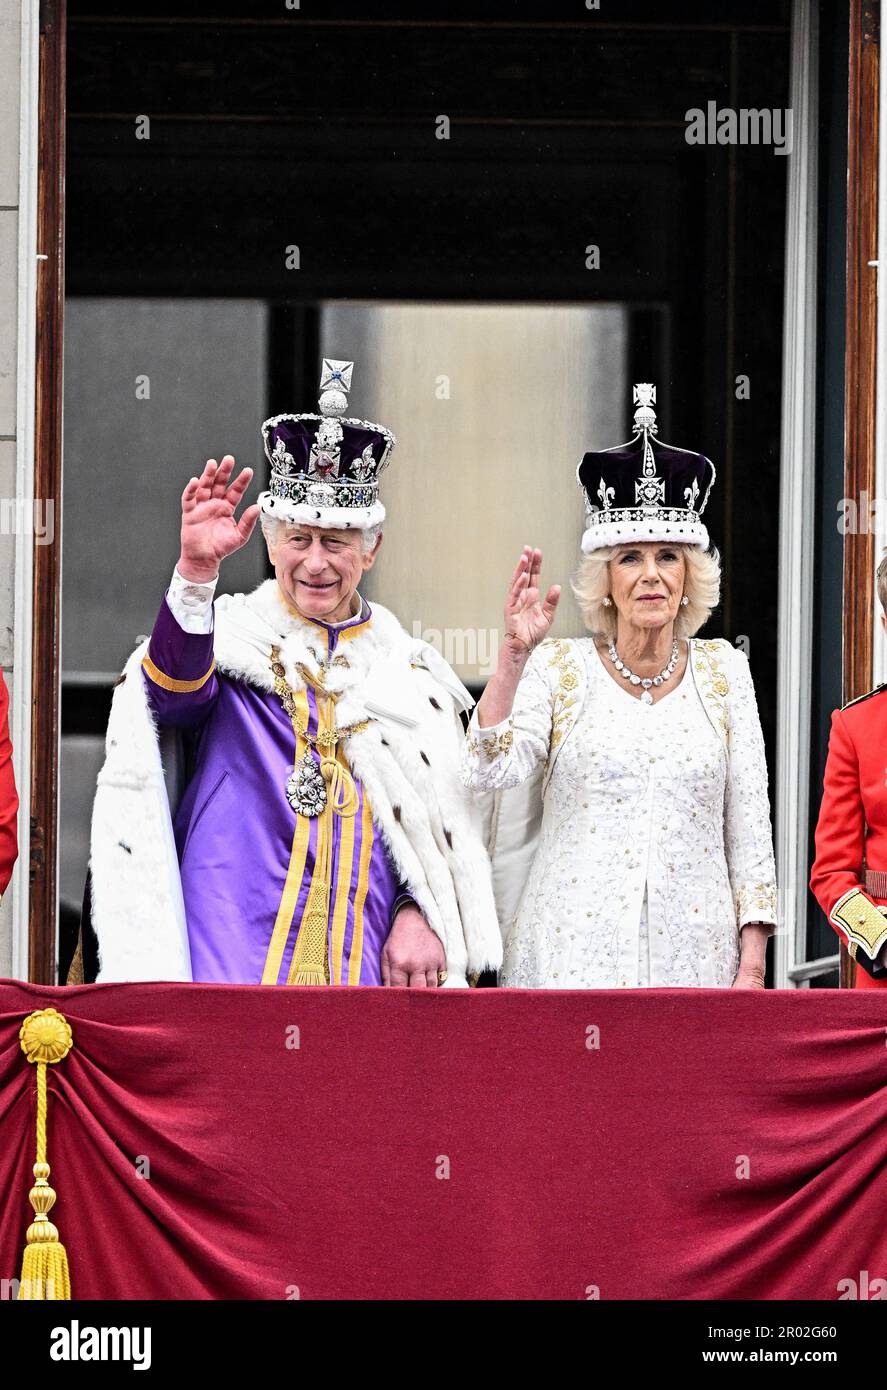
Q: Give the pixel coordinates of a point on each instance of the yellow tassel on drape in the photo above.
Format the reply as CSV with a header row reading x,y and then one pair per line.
x,y
45,1038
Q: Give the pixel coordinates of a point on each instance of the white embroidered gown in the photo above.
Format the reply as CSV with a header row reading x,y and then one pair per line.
x,y
655,845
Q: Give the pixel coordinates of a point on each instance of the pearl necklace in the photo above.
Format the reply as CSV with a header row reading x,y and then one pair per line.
x,y
645,681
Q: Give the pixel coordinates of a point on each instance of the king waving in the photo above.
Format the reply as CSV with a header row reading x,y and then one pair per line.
x,y
321,834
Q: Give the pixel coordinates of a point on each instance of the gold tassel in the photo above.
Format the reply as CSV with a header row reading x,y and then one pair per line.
x,y
45,1038
308,975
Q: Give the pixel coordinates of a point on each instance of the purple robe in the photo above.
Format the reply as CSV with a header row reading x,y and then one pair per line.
x,y
235,831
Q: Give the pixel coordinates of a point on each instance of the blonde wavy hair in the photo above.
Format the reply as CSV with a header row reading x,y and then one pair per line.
x,y
702,586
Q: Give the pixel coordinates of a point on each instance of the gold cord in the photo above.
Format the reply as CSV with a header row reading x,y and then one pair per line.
x,y
310,962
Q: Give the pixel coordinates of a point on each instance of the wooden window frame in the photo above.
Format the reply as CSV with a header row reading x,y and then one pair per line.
x,y
46,592
860,373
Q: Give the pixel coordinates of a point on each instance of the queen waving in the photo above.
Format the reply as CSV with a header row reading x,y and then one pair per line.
x,y
653,863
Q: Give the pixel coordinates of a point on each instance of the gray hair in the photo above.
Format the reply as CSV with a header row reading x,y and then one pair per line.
x,y
702,586
270,530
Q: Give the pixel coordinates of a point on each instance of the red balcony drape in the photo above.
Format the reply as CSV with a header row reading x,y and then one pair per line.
x,y
455,1144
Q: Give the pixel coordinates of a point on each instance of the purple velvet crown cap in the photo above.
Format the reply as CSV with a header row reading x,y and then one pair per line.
x,y
288,441
621,467
645,490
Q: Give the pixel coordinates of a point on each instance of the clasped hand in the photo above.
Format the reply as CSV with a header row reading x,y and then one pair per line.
x,y
413,953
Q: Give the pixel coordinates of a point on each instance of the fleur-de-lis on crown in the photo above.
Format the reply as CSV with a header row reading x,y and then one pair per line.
x,y
690,495
606,494
364,467
282,461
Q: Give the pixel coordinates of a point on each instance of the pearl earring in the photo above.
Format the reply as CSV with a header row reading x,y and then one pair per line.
x,y
684,601
608,602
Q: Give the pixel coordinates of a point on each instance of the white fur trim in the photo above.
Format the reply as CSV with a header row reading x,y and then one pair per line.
x,y
626,532
389,670
427,821
343,518
137,908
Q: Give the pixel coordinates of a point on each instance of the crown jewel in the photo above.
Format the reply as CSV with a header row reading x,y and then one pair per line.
x,y
325,467
644,490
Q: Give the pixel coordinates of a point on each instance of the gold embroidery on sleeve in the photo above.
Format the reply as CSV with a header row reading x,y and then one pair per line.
x,y
760,897
563,661
715,683
167,682
494,744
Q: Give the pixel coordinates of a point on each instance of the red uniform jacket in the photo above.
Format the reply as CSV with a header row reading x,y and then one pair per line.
x,y
8,795
851,836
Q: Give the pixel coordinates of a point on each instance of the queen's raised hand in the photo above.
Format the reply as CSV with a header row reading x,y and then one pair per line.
x,y
527,621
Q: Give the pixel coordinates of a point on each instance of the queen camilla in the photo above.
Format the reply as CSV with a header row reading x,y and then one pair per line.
x,y
653,863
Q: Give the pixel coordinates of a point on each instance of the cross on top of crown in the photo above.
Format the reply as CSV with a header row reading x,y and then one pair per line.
x,y
645,399
336,376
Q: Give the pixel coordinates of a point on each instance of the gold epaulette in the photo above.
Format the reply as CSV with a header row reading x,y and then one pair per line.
x,y
867,696
865,924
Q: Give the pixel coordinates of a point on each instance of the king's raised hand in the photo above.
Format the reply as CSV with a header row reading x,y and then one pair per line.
x,y
527,621
210,530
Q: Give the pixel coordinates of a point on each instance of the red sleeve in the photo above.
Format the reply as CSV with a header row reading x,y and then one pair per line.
x,y
836,877
840,831
8,795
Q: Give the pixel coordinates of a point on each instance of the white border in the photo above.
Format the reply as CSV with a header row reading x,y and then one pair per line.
x,y
28,269
796,528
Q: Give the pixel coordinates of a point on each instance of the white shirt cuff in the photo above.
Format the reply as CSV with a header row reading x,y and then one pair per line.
x,y
191,604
